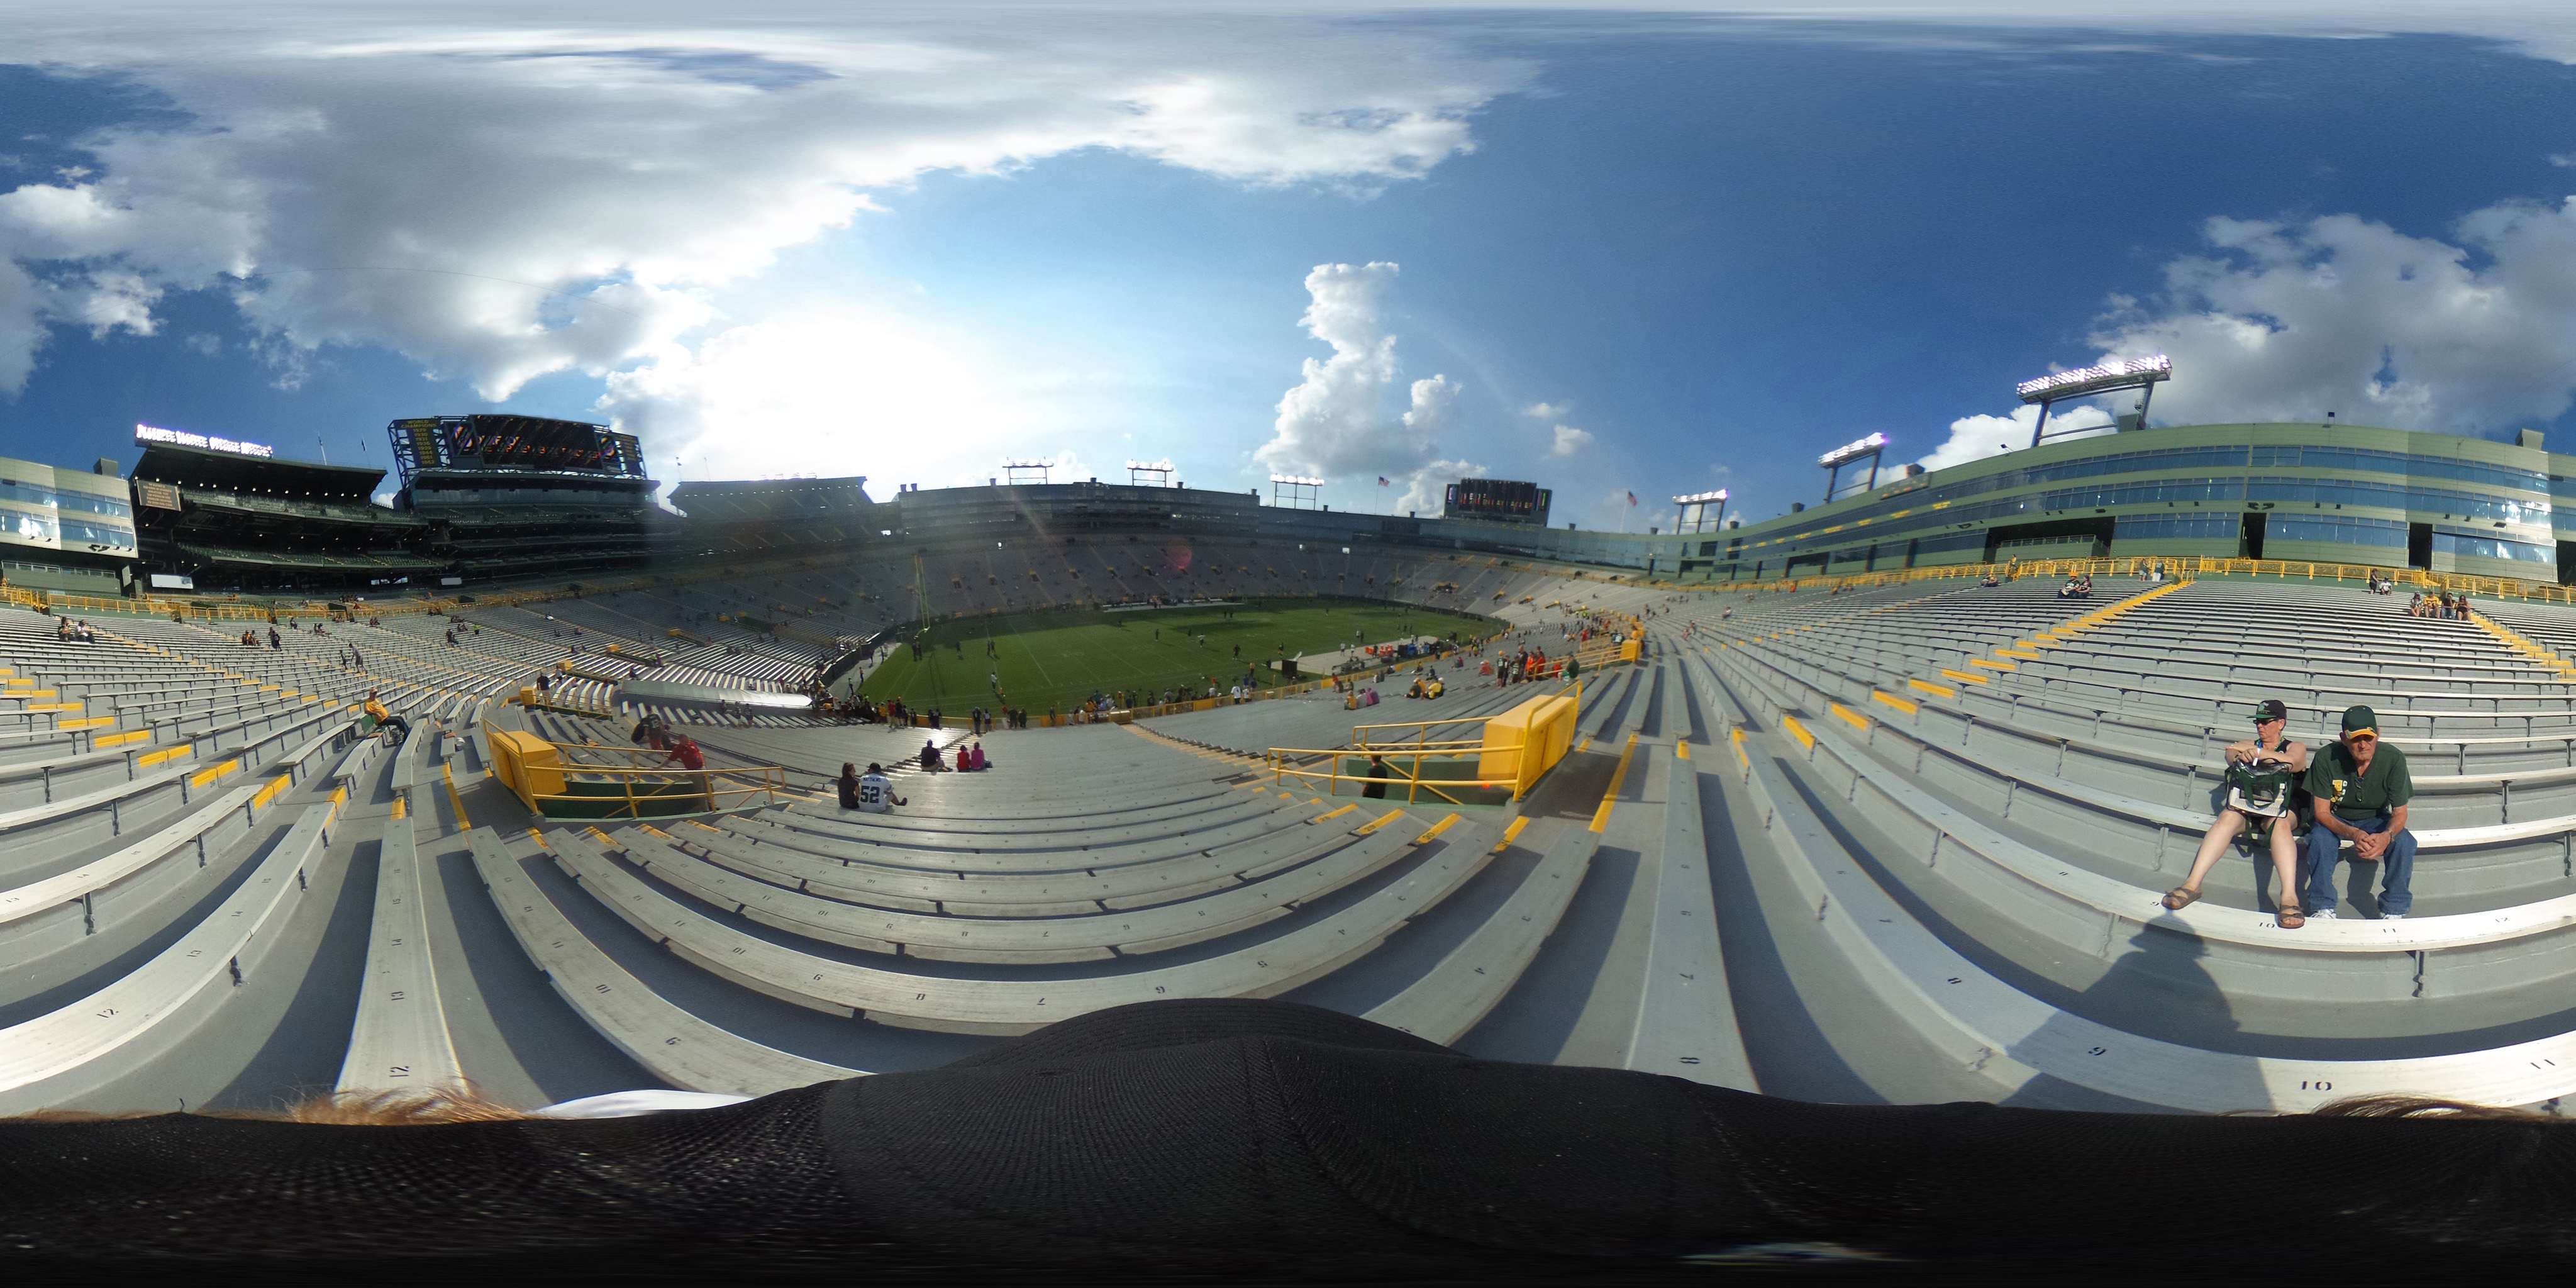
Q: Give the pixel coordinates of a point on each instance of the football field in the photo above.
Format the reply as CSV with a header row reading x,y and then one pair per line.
x,y
1057,659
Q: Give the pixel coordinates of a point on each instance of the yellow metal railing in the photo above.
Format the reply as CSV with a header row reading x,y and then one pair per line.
x,y
1510,750
534,770
1403,765
2182,567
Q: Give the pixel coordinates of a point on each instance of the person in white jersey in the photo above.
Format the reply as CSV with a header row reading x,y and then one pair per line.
x,y
876,791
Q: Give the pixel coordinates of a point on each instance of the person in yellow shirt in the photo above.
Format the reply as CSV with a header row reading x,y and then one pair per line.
x,y
386,719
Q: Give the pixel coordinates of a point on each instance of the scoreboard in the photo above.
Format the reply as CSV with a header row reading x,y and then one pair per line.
x,y
1496,500
514,443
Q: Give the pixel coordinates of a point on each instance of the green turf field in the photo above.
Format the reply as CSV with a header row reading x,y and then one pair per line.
x,y
1057,659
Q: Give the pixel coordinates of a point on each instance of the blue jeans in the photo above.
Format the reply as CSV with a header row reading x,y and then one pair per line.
x,y
2397,863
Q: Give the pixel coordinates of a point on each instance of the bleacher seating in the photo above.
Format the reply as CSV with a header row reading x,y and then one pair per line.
x,y
1982,794
1902,843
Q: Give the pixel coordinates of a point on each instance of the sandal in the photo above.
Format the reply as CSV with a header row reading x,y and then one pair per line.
x,y
2181,898
2293,916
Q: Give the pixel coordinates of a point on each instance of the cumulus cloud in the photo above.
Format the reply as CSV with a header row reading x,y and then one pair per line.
x,y
2288,321
1546,410
499,202
1335,423
1974,438
1570,440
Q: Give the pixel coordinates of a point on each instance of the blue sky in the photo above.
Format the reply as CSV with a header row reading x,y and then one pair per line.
x,y
1612,252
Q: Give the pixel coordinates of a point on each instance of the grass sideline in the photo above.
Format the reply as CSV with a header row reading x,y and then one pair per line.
x,y
1058,658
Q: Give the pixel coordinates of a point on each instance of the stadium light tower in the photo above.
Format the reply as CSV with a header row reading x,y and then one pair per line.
x,y
2110,377
1294,492
1848,454
1158,473
1699,501
1017,473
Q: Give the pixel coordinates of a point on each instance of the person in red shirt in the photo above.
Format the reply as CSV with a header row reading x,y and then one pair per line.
x,y
687,752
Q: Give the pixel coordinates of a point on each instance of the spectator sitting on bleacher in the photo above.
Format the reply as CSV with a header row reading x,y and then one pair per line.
x,y
2260,775
876,792
1990,581
386,719
62,628
2415,606
930,756
2361,790
849,782
974,757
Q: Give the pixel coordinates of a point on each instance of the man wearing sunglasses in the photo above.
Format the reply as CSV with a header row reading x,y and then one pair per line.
x,y
2361,789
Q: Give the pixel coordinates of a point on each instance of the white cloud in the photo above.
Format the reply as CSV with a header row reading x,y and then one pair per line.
x,y
2562,159
1334,423
499,200
853,390
1974,438
2288,321
1426,489
1570,440
1546,410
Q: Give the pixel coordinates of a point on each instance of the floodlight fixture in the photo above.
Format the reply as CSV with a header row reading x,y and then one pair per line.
x,y
1158,473
1700,500
1017,473
1853,453
1295,491
1849,452
2117,374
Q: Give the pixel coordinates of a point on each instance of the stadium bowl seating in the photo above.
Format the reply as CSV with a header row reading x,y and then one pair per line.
x,y
1898,845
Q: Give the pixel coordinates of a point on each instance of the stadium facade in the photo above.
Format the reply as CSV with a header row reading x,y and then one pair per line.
x,y
486,497
2327,493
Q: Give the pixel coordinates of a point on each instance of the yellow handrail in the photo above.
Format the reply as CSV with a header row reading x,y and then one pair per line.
x,y
2178,567
763,792
1415,783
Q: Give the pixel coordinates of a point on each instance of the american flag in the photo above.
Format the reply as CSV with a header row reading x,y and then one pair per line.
x,y
1381,481
1632,498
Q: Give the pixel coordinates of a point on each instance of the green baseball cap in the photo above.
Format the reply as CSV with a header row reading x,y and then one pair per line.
x,y
2361,720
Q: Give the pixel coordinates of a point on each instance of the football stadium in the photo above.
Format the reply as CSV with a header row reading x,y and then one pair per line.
x,y
1897,799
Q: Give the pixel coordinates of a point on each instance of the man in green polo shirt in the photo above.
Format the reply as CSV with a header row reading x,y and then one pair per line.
x,y
2361,789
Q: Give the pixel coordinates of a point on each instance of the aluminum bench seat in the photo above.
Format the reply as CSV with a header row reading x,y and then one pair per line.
x,y
399,1040
1016,1006
1088,936
1118,881
992,844
83,1047
669,1043
1074,852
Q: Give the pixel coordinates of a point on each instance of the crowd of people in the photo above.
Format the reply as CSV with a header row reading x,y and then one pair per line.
x,y
2453,605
